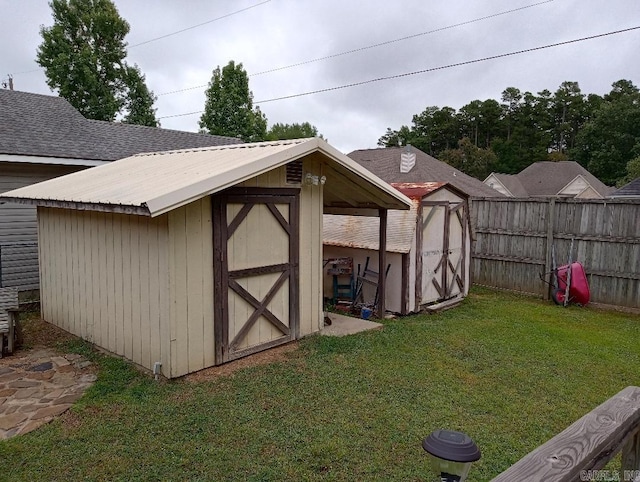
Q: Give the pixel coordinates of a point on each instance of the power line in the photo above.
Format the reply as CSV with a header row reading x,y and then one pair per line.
x,y
360,49
408,37
432,69
172,33
27,71
199,25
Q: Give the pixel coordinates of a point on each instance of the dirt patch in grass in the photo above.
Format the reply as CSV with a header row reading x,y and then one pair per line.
x,y
273,355
38,333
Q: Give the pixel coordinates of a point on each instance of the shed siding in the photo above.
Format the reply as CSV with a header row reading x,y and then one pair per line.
x,y
18,223
310,271
191,287
105,277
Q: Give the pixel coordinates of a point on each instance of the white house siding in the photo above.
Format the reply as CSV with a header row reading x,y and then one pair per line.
x,y
589,193
18,223
105,278
493,182
579,187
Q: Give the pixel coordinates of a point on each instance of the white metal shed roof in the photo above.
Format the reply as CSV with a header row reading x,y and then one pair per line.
x,y
362,232
155,183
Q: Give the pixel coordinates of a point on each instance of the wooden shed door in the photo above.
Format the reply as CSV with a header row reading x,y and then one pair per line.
x,y
256,243
443,250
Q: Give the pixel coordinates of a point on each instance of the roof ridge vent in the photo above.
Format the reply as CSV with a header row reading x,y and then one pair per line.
x,y
407,159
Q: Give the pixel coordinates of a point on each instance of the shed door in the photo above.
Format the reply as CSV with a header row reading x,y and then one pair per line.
x,y
256,242
443,250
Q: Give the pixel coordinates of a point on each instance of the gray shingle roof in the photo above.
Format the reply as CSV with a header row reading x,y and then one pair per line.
x,y
385,163
512,183
547,178
631,189
48,126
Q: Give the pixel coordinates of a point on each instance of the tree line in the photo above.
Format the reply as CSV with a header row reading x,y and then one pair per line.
x,y
83,55
602,133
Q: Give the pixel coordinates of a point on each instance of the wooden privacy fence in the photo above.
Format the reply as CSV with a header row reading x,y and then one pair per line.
x,y
514,239
583,449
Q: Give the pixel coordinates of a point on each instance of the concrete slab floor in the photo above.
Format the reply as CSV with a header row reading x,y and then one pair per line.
x,y
342,325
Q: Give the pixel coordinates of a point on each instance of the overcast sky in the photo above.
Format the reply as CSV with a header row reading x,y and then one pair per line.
x,y
277,33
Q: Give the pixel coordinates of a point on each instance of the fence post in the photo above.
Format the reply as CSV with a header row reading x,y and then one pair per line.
x,y
550,221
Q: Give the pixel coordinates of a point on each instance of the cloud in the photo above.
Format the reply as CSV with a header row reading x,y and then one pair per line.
x,y
283,32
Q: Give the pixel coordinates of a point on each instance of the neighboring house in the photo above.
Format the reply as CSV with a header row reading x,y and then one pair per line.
x,y
42,137
408,164
566,179
628,191
186,259
506,184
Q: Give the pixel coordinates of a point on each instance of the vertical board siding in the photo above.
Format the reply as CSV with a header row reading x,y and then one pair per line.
x,y
191,287
511,246
310,271
103,280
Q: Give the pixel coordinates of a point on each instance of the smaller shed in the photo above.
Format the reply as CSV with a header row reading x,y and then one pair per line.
x,y
428,246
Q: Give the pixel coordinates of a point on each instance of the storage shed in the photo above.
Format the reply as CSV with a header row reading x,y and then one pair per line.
x,y
181,260
428,247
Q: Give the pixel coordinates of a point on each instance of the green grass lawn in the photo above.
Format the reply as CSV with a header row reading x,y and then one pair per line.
x,y
510,371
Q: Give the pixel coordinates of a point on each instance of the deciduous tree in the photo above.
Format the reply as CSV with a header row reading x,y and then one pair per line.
x,y
280,131
470,159
139,101
229,109
83,55
611,139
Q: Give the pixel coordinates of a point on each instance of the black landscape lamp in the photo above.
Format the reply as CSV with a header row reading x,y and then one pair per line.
x,y
451,454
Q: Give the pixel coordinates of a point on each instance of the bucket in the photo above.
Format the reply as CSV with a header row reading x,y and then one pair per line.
x,y
365,313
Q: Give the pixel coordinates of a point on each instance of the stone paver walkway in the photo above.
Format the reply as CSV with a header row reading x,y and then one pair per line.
x,y
37,385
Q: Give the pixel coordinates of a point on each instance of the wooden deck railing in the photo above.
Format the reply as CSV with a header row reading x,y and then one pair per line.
x,y
585,447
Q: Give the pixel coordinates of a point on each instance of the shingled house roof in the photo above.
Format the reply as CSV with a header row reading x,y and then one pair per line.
x,y
385,163
48,126
548,178
512,183
631,189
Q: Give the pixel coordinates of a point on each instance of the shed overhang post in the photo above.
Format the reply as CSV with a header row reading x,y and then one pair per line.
x,y
382,262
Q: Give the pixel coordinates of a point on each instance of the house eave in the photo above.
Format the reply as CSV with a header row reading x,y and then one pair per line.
x,y
60,161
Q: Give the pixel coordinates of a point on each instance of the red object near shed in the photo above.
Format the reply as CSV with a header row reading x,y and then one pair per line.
x,y
578,285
